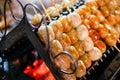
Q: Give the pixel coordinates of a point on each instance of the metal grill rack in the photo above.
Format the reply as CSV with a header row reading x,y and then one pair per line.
x,y
98,67
27,32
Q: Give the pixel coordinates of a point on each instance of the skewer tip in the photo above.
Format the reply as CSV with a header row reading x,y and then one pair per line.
x,y
117,48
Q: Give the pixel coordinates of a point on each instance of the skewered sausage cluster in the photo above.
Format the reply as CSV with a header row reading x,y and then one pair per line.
x,y
84,33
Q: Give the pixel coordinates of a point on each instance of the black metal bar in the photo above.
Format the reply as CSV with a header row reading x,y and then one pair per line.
x,y
21,30
11,38
42,53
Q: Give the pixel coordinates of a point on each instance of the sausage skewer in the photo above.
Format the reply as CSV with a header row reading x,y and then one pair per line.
x,y
118,41
47,15
54,10
36,19
111,40
116,48
53,3
66,4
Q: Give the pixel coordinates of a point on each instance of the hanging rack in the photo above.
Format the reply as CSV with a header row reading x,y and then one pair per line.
x,y
24,28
